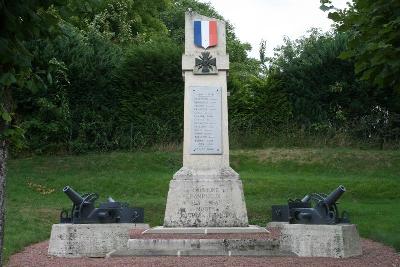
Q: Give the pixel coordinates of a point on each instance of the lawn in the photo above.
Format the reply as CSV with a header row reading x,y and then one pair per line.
x,y
270,176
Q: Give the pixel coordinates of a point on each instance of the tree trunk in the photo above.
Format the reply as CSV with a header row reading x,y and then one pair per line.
x,y
3,157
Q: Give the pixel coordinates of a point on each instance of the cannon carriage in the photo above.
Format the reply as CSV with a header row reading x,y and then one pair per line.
x,y
84,210
314,208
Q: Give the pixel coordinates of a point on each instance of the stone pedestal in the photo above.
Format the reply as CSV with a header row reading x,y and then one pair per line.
x,y
206,191
206,201
89,240
335,241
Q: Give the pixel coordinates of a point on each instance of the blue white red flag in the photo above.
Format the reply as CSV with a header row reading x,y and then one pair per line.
x,y
205,33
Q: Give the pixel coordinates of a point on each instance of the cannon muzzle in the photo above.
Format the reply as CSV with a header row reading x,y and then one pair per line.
x,y
306,198
73,195
335,195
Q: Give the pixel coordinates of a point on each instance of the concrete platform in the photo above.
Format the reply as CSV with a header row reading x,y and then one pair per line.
x,y
205,230
335,241
89,240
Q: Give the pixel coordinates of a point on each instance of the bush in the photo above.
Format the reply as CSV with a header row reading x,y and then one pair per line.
x,y
150,93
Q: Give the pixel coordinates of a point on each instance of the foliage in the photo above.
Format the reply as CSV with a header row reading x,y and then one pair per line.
x,y
151,92
94,107
130,21
47,117
321,88
125,20
258,104
21,22
91,58
99,86
374,27
61,113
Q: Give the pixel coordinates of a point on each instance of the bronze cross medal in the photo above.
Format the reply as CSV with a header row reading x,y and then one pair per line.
x,y
205,64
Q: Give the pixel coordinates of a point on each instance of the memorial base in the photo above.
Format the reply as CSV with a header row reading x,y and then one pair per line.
x,y
201,247
89,240
212,199
193,242
335,241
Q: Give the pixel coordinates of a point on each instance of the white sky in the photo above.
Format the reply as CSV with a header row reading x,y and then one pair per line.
x,y
271,20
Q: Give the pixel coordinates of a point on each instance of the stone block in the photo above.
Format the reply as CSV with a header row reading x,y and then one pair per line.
x,y
89,240
205,203
336,241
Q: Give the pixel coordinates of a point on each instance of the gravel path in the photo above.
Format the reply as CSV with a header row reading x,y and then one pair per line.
x,y
374,254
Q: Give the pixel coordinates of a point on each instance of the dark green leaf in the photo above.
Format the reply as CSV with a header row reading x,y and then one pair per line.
x,y
7,79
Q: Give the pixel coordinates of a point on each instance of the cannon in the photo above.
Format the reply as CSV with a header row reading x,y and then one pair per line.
x,y
84,210
315,208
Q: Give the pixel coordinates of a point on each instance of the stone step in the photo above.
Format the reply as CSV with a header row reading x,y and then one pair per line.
x,y
206,230
201,247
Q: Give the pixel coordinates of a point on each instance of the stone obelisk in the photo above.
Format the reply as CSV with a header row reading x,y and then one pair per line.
x,y
206,191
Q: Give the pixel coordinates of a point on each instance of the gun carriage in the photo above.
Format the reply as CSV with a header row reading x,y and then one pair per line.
x,y
84,210
315,208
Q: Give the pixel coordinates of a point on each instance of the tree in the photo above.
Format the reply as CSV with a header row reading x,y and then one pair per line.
x,y
20,21
150,93
374,30
97,38
263,52
77,111
319,85
127,20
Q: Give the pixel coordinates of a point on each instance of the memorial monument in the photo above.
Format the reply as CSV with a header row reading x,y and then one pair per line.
x,y
205,196
206,191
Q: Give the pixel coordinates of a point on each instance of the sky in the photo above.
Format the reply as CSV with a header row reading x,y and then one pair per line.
x,y
272,20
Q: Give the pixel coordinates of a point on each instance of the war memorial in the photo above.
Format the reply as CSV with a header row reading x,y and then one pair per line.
x,y
205,211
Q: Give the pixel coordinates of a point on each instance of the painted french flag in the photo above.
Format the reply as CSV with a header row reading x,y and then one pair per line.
x,y
205,33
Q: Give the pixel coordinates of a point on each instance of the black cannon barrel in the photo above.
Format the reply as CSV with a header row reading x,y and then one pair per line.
x,y
306,198
73,195
335,195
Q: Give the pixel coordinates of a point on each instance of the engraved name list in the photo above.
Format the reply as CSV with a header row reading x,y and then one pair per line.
x,y
205,120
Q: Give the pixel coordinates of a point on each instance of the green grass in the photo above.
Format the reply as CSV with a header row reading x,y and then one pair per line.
x,y
270,176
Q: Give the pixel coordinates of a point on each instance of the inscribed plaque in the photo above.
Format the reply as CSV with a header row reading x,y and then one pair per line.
x,y
205,112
